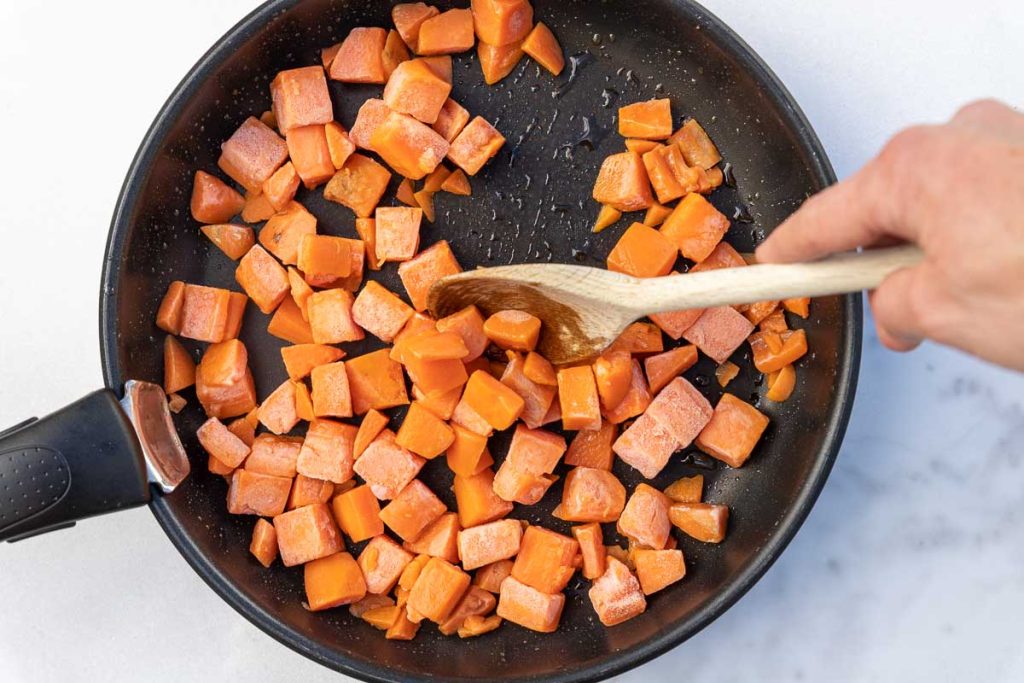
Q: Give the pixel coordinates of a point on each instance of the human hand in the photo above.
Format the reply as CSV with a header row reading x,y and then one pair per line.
x,y
957,190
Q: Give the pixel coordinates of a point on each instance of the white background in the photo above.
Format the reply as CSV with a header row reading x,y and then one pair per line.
x,y
911,566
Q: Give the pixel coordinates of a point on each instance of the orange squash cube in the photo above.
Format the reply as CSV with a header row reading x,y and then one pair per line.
x,y
593,449
274,455
204,312
358,513
695,227
307,534
309,491
408,17
476,501
498,61
360,57
546,560
657,569
577,393
411,147
213,201
300,98
439,539
387,467
718,332
412,510
450,121
530,608
681,410
651,120
416,90
592,495
376,382
333,581
331,394
397,233
326,452
222,444
280,188
424,433
359,184
284,231
487,543
616,595
537,398
277,412
421,271
478,142
380,312
252,154
496,403
437,591
395,53
733,431
500,22
446,33
594,554
702,521
370,115
468,324
264,542
325,259
251,493
382,562
544,48
513,330
646,446
696,145
773,351
642,252
645,517
662,368
622,183
330,317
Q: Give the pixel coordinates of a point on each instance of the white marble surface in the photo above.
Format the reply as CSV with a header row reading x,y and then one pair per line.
x,y
910,566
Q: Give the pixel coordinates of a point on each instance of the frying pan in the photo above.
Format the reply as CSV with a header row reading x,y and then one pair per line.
x,y
531,203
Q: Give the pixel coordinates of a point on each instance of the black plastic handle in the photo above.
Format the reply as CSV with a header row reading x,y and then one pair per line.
x,y
78,462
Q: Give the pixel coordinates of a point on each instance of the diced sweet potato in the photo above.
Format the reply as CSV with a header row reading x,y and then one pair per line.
x,y
224,385
420,272
264,542
447,33
326,452
359,185
733,431
307,534
303,402
530,608
657,569
380,312
441,405
537,398
169,315
514,330
251,493
330,317
498,61
360,57
781,384
411,147
577,394
726,372
252,154
637,398
640,339
490,577
545,560
179,368
438,539
370,115
274,455
592,549
450,121
544,48
382,562
642,252
204,313
465,454
233,240
424,433
307,147
613,372
287,323
369,603
425,200
284,231
395,53
397,233
645,517
695,227
616,595
676,323
277,412
646,446
358,513
696,146
487,543
651,120
339,144
263,279
221,443
333,581
376,382
469,325
213,201
757,312
667,187
416,90
408,18
387,467
257,207
606,217
476,501
718,332
773,351
800,306
622,183
664,367
681,410
300,359
478,142
496,403
475,603
592,495
438,589
592,449
300,98
309,491
656,214
702,521
372,424
500,22
686,490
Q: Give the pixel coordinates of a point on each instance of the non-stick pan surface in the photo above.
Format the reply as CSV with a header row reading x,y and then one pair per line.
x,y
532,203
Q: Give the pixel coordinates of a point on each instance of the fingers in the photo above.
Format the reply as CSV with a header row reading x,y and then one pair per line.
x,y
897,307
861,211
990,117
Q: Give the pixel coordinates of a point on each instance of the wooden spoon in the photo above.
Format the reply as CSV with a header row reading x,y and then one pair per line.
x,y
584,310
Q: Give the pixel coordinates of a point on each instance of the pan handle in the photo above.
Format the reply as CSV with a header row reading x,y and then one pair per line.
x,y
80,461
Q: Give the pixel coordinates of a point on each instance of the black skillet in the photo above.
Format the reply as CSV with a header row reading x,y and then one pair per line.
x,y
532,203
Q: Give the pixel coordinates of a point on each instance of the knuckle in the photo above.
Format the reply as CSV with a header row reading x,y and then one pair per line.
x,y
907,145
980,109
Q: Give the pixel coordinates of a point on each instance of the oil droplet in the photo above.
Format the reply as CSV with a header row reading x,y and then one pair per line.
x,y
701,381
741,214
728,175
596,39
576,62
608,97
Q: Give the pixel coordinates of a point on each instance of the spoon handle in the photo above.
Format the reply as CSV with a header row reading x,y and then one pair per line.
x,y
841,274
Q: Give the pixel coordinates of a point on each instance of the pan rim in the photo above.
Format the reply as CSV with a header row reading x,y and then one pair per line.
x,y
614,663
